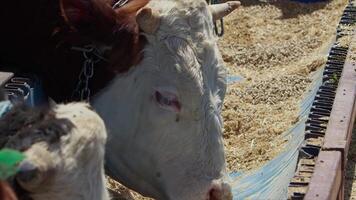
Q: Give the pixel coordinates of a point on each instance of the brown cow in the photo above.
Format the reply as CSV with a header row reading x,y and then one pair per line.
x,y
39,36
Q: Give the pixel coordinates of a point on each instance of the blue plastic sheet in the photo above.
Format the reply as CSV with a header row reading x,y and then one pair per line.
x,y
271,181
234,79
5,106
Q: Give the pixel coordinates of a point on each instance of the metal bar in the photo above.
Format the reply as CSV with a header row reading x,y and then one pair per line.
x,y
334,105
326,181
4,77
339,129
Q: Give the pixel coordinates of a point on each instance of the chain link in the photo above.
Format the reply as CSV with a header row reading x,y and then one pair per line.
x,y
92,56
120,3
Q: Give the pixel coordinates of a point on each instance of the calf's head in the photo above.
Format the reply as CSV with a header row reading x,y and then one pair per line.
x,y
64,149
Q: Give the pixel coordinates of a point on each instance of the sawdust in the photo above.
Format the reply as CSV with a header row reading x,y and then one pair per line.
x,y
347,31
272,90
275,47
120,192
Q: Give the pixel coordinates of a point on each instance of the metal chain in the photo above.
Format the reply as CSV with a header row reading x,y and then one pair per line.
x,y
220,32
120,3
92,56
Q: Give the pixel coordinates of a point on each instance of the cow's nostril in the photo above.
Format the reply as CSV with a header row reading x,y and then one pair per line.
x,y
214,194
220,191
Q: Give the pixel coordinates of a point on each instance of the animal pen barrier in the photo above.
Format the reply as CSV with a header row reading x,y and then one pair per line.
x,y
319,129
323,156
318,142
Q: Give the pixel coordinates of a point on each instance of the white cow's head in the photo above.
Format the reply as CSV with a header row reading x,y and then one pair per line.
x,y
163,115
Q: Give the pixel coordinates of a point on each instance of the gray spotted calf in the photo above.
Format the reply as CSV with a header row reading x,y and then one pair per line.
x,y
64,148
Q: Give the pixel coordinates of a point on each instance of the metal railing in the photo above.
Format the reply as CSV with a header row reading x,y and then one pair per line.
x,y
323,157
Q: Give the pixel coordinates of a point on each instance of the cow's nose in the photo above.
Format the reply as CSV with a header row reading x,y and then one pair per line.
x,y
220,191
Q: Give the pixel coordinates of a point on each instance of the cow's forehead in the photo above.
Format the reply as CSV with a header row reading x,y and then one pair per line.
x,y
167,5
188,19
178,10
185,41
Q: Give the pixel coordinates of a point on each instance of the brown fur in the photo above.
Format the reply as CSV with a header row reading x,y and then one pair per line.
x,y
24,126
37,36
6,192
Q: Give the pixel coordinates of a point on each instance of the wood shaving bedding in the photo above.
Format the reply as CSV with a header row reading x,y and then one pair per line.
x,y
275,47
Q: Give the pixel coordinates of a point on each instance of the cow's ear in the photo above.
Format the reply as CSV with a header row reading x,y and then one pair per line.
x,y
101,19
89,16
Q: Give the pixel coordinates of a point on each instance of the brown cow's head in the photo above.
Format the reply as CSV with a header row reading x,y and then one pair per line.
x,y
114,28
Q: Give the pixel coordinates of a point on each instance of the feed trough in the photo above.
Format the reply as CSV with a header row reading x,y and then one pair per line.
x,y
306,136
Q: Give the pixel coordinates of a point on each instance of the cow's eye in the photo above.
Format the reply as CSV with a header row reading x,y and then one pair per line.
x,y
167,100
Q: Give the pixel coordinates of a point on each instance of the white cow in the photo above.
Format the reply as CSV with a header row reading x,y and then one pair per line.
x,y
163,115
64,149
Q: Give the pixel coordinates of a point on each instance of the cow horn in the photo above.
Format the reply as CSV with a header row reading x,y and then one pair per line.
x,y
221,10
148,20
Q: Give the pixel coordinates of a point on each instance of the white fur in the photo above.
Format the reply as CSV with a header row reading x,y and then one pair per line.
x,y
73,167
160,153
